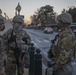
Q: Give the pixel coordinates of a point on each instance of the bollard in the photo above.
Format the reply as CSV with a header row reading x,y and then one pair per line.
x,y
38,63
31,56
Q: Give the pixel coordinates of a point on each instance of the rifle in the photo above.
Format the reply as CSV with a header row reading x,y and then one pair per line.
x,y
50,54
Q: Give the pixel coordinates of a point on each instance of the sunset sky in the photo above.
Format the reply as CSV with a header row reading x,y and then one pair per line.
x,y
30,6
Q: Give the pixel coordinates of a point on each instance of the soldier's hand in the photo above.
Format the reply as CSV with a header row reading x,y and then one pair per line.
x,y
24,39
1,71
57,66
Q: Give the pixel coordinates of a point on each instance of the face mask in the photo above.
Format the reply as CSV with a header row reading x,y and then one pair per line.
x,y
17,28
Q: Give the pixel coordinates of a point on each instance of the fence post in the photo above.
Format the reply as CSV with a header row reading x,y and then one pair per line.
x,y
31,56
38,63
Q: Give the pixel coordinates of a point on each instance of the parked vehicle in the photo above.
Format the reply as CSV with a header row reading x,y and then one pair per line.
x,y
48,30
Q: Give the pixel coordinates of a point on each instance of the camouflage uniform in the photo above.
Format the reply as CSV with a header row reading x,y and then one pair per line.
x,y
2,49
63,52
11,59
2,56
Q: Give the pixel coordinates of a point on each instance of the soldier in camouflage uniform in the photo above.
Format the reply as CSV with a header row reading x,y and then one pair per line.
x,y
64,46
16,40
2,49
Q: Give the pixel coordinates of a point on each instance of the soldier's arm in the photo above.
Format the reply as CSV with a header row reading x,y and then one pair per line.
x,y
65,46
27,37
24,45
6,36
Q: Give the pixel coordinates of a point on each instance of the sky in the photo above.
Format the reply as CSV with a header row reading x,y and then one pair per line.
x,y
30,6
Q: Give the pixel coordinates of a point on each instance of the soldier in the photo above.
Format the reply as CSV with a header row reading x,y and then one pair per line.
x,y
16,40
2,49
64,46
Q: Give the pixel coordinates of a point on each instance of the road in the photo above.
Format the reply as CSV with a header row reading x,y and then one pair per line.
x,y
43,42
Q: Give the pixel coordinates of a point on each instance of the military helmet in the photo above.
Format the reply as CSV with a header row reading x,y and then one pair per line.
x,y
1,20
18,18
65,18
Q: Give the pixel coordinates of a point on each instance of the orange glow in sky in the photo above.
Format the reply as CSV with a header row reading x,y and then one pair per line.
x,y
28,20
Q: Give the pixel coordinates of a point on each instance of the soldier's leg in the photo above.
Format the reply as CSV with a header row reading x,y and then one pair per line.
x,y
10,68
66,69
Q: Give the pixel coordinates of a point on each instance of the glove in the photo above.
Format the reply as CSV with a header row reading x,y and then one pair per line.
x,y
50,54
24,39
50,63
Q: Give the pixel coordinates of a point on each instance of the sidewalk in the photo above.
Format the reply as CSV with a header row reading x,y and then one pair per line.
x,y
26,72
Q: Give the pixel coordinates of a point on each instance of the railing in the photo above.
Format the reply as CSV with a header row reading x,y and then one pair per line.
x,y
51,25
35,67
42,27
37,59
